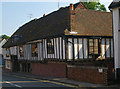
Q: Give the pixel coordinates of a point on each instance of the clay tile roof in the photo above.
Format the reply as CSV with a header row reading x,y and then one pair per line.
x,y
86,22
52,24
92,23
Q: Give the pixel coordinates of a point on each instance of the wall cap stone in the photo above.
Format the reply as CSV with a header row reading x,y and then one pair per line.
x,y
87,67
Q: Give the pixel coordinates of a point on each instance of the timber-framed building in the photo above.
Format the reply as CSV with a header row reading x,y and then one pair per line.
x,y
70,35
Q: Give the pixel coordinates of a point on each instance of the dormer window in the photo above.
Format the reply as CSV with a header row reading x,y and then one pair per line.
x,y
34,50
50,46
15,38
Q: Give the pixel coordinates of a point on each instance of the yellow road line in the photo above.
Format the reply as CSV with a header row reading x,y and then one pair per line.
x,y
58,83
13,84
23,81
38,80
26,77
94,87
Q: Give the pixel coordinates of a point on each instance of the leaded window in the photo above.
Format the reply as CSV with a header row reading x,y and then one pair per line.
x,y
21,51
7,52
93,47
50,46
34,50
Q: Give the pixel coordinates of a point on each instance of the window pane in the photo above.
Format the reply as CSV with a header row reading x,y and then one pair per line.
x,y
95,46
90,46
21,50
7,52
90,42
34,50
50,46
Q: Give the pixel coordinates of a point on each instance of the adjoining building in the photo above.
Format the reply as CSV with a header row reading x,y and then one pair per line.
x,y
2,42
70,42
115,7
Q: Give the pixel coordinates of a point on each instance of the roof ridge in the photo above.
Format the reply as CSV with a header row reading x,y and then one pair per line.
x,y
99,11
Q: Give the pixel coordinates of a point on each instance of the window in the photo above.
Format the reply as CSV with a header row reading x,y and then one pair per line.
x,y
90,46
7,52
8,64
34,50
93,47
21,50
50,46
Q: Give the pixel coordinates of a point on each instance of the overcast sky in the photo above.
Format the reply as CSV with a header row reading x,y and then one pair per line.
x,y
15,14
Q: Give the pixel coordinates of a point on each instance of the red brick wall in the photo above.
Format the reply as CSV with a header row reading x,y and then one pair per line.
x,y
111,71
118,75
49,69
87,74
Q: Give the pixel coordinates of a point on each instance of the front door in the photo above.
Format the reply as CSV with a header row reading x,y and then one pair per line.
x,y
28,67
15,63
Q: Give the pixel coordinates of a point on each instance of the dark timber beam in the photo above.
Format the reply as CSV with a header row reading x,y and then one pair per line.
x,y
110,46
105,47
59,47
88,47
66,49
73,60
83,47
62,46
78,47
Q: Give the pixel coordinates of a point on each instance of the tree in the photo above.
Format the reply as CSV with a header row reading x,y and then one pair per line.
x,y
95,6
4,37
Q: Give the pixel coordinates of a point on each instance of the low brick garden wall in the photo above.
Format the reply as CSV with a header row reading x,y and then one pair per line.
x,y
118,75
51,69
88,74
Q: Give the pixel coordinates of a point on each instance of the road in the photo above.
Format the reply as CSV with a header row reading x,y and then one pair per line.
x,y
14,81
20,82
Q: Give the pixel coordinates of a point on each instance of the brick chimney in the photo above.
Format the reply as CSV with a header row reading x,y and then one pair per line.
x,y
71,7
72,16
43,15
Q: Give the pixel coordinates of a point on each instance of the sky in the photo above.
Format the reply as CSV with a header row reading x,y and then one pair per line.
x,y
15,14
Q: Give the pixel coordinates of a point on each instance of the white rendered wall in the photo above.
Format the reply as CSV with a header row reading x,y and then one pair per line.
x,y
116,37
1,44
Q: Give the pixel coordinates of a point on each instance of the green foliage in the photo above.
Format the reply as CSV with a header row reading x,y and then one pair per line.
x,y
4,37
95,6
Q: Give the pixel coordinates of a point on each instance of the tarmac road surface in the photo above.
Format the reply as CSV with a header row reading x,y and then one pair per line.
x,y
20,81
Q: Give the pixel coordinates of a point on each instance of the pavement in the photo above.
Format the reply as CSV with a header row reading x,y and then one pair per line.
x,y
62,80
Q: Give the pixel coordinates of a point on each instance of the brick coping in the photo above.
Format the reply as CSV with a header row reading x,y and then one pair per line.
x,y
90,67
